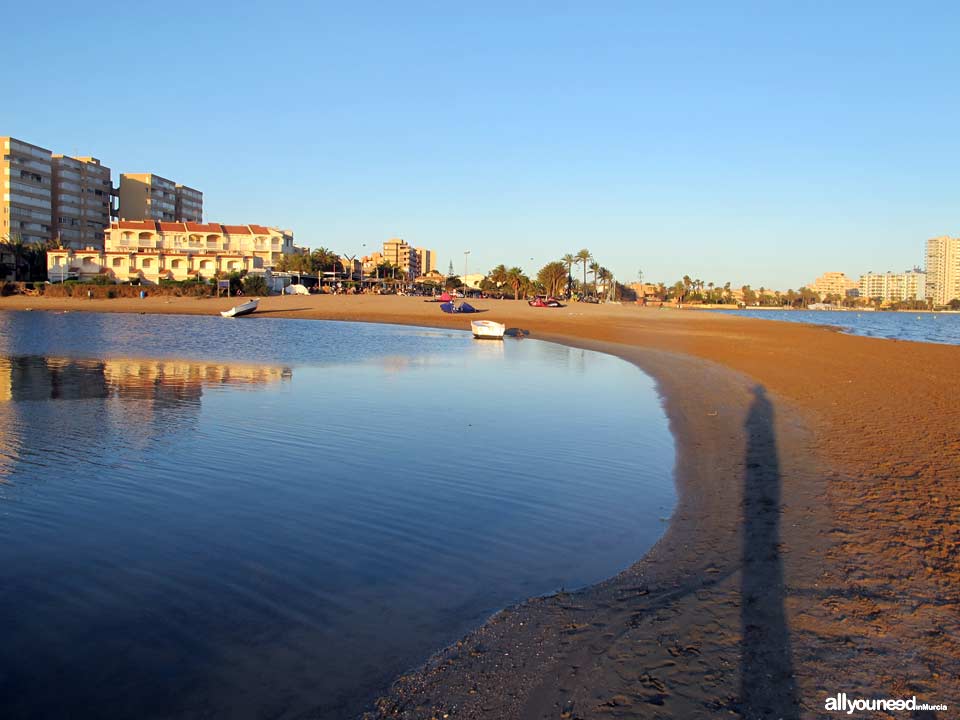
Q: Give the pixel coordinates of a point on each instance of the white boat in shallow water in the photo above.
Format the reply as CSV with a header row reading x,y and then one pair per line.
x,y
488,329
240,310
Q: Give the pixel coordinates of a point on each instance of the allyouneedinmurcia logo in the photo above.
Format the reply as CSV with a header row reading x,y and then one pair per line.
x,y
841,702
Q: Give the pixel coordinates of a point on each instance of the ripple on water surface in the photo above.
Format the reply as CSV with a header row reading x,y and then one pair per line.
x,y
941,328
284,531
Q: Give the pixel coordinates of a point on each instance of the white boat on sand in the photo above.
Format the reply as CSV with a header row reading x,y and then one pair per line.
x,y
488,329
240,310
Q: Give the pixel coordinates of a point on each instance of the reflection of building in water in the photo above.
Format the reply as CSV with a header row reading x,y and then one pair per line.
x,y
51,378
181,380
139,398
37,378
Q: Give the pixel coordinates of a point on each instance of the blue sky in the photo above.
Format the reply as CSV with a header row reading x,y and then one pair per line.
x,y
757,143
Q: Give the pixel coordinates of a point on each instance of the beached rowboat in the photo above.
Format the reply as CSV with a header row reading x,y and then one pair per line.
x,y
488,329
240,310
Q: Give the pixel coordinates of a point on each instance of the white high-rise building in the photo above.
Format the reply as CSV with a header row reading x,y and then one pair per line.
x,y
943,269
895,287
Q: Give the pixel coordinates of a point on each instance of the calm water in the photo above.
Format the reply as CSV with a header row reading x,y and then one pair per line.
x,y
273,518
921,327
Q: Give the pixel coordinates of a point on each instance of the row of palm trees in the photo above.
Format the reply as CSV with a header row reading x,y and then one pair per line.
x,y
586,260
555,278
22,261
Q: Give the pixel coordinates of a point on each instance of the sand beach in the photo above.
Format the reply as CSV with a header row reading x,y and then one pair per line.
x,y
813,550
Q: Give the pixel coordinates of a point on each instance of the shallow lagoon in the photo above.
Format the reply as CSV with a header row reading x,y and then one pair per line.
x,y
273,518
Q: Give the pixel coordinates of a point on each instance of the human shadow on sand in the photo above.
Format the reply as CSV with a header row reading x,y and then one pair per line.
x,y
767,684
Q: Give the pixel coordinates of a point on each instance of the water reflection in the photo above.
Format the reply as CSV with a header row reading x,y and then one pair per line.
x,y
34,378
197,537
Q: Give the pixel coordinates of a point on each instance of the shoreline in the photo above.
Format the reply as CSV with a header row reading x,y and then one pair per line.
x,y
814,538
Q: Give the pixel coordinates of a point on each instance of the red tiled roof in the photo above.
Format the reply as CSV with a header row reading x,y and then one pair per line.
x,y
190,227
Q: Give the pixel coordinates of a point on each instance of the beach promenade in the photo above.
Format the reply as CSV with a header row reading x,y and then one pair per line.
x,y
813,550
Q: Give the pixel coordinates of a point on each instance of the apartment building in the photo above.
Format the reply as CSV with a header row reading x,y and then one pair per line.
x,y
148,251
397,252
943,269
832,283
427,259
371,262
894,287
189,204
81,201
26,205
145,196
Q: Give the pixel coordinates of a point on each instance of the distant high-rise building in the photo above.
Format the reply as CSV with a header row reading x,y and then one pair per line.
x,y
943,269
894,287
26,205
832,283
398,253
189,204
145,196
428,260
81,201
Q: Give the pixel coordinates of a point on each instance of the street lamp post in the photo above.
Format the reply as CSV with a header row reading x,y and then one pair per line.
x,y
466,255
361,267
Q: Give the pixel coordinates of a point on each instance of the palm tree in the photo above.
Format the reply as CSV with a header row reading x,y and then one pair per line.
x,y
321,259
595,269
516,280
679,290
606,276
553,276
583,258
15,246
498,276
569,260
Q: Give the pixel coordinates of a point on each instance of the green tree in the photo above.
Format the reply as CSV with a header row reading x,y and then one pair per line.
x,y
583,258
679,290
604,275
594,270
569,260
553,277
29,259
807,296
516,280
323,260
498,275
452,283
255,285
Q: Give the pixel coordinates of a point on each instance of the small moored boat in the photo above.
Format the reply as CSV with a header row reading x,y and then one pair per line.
x,y
488,329
241,310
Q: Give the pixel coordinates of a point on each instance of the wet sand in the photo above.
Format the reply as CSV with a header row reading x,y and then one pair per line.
x,y
813,550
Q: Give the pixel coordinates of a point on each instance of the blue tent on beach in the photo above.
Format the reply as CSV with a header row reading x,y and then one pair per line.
x,y
449,307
